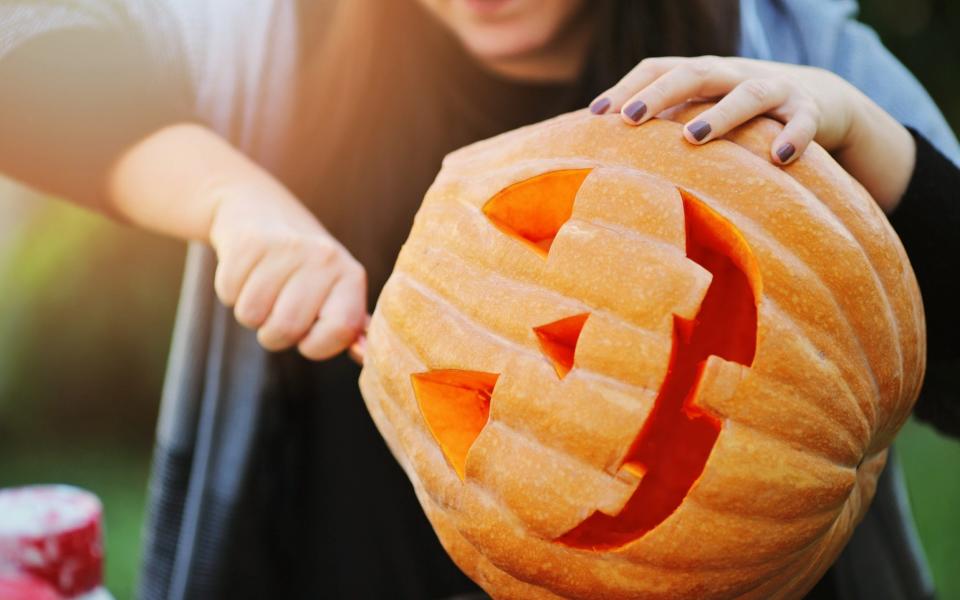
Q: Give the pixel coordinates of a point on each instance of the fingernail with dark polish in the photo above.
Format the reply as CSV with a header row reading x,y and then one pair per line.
x,y
600,106
699,130
785,152
635,110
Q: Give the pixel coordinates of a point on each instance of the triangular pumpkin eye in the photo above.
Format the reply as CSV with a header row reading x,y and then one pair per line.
x,y
558,341
535,209
456,406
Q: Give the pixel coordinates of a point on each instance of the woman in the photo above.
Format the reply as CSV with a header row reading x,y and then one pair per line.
x,y
343,112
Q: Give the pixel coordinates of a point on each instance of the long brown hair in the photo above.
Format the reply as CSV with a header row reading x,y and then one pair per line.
x,y
362,58
386,92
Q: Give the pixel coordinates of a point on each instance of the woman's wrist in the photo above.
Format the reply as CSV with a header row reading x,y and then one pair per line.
x,y
170,182
879,152
253,200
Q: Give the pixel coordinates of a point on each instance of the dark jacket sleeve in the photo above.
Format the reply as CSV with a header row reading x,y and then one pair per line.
x,y
928,222
79,83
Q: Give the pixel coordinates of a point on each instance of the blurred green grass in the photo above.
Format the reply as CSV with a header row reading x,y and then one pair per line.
x,y
931,465
86,313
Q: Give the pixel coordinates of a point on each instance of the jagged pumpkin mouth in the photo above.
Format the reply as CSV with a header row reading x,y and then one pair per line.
x,y
670,451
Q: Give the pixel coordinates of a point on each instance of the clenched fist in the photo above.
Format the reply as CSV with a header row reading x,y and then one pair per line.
x,y
283,274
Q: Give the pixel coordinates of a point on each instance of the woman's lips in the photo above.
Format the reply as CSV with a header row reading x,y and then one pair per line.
x,y
486,8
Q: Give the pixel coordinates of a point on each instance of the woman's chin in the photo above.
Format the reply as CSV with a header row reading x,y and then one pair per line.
x,y
500,46
506,33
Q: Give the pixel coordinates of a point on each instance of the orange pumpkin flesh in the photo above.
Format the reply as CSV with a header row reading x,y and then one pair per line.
x,y
456,405
558,341
617,365
676,440
534,210
672,448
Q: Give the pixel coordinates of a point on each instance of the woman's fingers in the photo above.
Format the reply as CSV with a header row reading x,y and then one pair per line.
x,y
358,349
305,291
696,79
745,90
303,294
746,100
263,285
800,130
612,100
341,319
659,83
235,264
813,103
296,308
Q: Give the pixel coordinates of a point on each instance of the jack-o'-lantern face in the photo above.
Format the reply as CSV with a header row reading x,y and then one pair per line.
x,y
607,370
670,449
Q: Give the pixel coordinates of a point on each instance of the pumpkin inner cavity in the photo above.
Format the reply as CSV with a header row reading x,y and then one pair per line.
x,y
456,405
673,446
535,209
558,341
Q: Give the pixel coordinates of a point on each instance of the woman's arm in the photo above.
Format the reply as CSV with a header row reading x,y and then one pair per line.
x,y
91,111
282,273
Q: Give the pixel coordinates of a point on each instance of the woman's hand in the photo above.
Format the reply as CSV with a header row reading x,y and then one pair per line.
x,y
283,274
813,104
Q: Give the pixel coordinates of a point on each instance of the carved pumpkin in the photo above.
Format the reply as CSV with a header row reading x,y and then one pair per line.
x,y
616,365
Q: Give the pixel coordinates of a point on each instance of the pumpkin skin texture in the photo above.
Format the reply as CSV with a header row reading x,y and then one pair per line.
x,y
617,365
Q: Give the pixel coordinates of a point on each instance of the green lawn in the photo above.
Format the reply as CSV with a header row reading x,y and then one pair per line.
x,y
932,466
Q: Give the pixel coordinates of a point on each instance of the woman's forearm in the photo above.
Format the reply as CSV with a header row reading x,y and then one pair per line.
x,y
158,183
173,181
879,152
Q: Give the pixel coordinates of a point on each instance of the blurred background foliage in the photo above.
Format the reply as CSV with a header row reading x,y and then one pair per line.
x,y
87,307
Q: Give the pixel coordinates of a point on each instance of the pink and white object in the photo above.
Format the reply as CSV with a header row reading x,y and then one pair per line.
x,y
21,586
50,535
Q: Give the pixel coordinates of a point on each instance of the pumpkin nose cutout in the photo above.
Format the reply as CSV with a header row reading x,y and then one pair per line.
x,y
673,446
456,406
558,341
535,209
